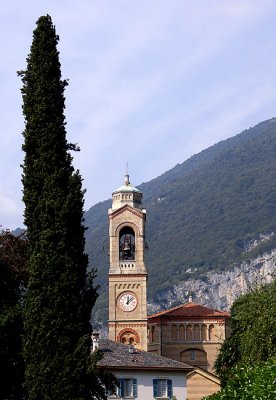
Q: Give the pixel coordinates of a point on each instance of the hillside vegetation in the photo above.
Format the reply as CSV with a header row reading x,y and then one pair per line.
x,y
203,213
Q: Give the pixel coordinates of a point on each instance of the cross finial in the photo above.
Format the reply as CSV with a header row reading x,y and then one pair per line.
x,y
127,175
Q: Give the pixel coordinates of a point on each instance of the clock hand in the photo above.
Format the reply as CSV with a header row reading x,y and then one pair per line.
x,y
129,300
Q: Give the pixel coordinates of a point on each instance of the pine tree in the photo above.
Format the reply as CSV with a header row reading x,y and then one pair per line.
x,y
60,294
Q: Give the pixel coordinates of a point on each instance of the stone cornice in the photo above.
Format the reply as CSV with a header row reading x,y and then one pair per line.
x,y
127,324
135,211
135,275
187,320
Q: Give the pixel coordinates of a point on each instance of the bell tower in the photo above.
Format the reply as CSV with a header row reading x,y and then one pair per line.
x,y
127,271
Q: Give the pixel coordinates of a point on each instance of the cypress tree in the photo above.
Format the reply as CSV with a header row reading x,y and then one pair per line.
x,y
60,294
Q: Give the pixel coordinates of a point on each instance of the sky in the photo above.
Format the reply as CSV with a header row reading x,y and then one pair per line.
x,y
151,82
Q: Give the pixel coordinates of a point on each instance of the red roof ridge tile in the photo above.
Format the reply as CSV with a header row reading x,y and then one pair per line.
x,y
189,305
165,311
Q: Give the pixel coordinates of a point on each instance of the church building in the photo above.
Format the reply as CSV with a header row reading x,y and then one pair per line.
x,y
190,333
175,349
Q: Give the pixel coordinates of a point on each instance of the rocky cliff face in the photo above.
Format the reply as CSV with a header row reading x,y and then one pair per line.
x,y
219,290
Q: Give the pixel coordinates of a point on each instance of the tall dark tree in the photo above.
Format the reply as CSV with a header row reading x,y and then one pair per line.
x,y
13,263
60,294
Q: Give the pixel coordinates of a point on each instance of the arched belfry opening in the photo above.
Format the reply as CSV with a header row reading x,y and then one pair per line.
x,y
127,244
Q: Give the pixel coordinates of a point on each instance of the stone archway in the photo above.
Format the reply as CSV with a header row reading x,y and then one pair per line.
x,y
194,356
128,336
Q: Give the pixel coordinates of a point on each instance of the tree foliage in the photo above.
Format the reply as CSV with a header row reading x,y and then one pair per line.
x,y
246,363
250,383
60,294
13,267
252,336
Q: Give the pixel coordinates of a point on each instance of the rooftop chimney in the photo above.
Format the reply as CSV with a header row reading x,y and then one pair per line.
x,y
95,341
131,349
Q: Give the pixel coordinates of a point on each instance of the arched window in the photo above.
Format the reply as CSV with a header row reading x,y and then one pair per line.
x,y
204,335
189,333
212,335
127,244
194,356
174,332
128,338
196,333
153,334
181,332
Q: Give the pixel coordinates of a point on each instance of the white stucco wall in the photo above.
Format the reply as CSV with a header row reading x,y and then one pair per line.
x,y
145,382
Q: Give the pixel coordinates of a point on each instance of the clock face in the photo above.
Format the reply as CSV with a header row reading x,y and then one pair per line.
x,y
127,301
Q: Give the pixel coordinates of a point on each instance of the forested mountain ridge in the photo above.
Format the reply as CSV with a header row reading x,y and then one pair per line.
x,y
203,214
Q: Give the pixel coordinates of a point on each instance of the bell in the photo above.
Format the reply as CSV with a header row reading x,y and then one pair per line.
x,y
126,246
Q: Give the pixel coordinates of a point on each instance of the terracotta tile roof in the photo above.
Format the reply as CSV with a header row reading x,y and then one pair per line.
x,y
190,310
117,355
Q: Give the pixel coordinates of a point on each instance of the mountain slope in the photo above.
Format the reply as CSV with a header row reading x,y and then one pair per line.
x,y
202,214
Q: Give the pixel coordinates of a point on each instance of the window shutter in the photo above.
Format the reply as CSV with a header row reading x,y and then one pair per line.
x,y
121,388
170,392
155,388
134,387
